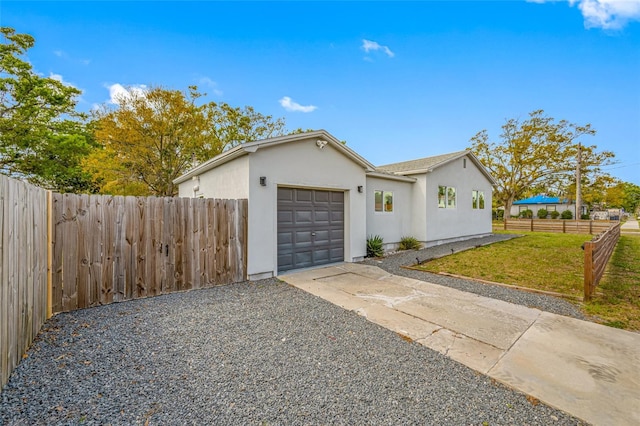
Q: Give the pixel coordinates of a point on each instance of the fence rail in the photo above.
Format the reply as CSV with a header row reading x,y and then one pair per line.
x,y
558,225
61,252
596,256
23,270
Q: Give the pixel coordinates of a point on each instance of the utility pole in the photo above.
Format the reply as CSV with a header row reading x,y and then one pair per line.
x,y
578,184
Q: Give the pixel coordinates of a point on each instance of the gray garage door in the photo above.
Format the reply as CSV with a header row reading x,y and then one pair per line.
x,y
310,228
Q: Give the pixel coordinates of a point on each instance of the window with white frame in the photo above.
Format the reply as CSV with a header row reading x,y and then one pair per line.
x,y
446,197
383,201
551,208
477,199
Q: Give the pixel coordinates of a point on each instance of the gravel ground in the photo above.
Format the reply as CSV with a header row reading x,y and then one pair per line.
x,y
249,353
393,264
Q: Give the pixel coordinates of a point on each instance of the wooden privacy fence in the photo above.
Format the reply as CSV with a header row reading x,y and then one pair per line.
x,y
65,252
23,270
557,225
113,248
596,256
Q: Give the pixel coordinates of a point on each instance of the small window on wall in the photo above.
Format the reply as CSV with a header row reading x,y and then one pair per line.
x,y
446,197
551,208
383,201
477,199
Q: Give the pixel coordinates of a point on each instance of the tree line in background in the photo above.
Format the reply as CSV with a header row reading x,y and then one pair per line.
x,y
149,137
539,155
137,146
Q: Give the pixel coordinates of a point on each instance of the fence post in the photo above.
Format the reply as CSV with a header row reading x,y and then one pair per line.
x,y
505,222
531,224
49,254
564,226
588,270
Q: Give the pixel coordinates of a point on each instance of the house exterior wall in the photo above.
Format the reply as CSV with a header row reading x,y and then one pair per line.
x,y
517,208
230,180
300,164
463,221
419,208
391,226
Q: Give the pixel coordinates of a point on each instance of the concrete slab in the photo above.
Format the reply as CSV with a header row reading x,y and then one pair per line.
x,y
473,353
586,369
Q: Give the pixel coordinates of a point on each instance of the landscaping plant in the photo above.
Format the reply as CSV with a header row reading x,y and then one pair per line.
x,y
542,214
374,246
409,243
566,215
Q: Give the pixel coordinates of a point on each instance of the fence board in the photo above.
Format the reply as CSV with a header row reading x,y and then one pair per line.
x,y
23,269
596,256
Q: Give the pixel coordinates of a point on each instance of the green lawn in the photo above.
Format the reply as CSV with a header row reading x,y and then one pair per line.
x,y
555,262
543,261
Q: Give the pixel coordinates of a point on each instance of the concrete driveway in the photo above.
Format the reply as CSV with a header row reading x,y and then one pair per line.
x,y
585,369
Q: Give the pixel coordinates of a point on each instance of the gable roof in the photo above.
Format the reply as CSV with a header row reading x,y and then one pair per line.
x,y
541,199
428,164
249,147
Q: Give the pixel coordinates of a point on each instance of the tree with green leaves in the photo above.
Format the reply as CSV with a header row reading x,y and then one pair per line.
x,y
538,152
152,136
42,137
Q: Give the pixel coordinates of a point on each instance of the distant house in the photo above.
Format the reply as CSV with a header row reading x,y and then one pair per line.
x,y
314,201
539,202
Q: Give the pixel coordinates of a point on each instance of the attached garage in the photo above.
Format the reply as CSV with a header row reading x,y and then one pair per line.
x,y
310,228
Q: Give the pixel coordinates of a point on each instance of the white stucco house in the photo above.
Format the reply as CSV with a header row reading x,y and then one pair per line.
x,y
314,201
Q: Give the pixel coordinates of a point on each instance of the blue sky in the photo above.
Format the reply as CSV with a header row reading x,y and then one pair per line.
x,y
396,80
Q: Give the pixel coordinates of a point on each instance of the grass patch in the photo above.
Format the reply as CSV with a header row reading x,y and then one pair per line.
x,y
555,262
543,261
617,299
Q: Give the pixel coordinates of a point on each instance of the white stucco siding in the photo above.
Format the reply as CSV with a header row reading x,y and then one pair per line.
x,y
300,164
461,221
394,225
230,180
419,208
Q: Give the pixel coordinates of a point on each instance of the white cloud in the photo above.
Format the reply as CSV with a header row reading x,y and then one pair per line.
x,y
608,14
117,92
369,45
207,82
58,77
59,53
288,104
605,14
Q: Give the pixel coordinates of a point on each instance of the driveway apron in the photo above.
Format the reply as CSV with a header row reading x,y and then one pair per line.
x,y
586,369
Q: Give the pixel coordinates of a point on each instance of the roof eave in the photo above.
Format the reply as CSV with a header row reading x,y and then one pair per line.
x,y
397,177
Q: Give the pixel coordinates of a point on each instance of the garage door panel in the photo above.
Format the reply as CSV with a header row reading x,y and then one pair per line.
x,y
285,261
303,259
302,238
321,256
321,237
310,228
285,194
337,234
337,216
337,254
303,195
322,196
285,217
337,197
285,238
321,217
303,217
